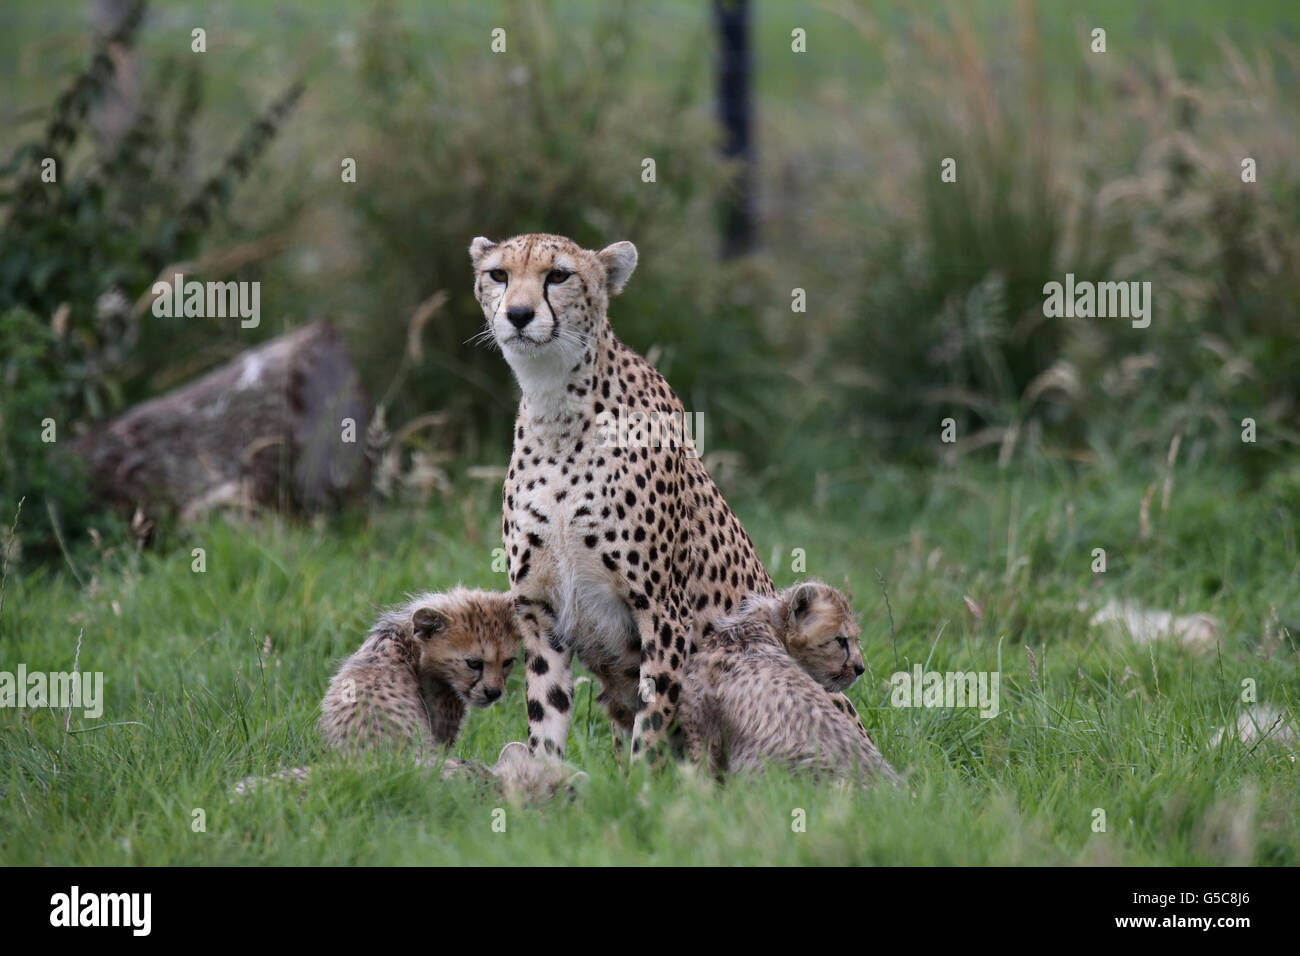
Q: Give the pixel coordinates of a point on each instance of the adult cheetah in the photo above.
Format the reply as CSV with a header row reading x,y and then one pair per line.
x,y
620,547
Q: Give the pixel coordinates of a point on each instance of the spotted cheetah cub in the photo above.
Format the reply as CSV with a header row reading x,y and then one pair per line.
x,y
424,664
411,682
756,690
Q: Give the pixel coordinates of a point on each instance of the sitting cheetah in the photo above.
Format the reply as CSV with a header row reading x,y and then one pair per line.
x,y
422,666
620,547
752,697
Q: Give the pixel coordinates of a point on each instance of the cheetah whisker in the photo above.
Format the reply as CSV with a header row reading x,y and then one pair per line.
x,y
485,337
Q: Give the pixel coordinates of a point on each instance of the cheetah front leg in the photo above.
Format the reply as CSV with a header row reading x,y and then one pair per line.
x,y
548,661
664,643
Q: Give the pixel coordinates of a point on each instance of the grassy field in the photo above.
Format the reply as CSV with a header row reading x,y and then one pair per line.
x,y
917,298
210,676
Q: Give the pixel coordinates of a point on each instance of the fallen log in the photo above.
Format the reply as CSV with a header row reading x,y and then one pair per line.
x,y
280,426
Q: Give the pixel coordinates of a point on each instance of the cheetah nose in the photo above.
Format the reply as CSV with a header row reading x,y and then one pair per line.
x,y
859,668
492,693
519,315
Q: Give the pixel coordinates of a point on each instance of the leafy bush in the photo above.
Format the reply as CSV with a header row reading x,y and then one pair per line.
x,y
85,229
51,484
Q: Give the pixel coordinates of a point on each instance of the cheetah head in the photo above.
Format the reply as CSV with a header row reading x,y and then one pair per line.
x,y
821,634
467,640
544,297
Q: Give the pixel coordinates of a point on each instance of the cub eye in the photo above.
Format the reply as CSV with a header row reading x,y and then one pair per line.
x,y
556,276
475,664
498,275
843,642
509,663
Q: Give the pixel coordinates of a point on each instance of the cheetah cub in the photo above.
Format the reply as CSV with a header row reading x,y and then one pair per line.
x,y
411,683
424,664
756,690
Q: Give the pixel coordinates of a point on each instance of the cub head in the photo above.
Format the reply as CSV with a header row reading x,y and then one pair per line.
x,y
821,633
544,297
466,639
525,778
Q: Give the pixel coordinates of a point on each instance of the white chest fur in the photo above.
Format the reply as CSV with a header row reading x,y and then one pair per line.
x,y
589,598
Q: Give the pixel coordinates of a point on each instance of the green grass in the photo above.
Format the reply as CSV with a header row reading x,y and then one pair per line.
x,y
213,676
194,701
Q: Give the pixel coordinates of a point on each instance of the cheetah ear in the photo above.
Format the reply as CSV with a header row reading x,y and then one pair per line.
x,y
800,599
428,622
619,260
480,247
513,754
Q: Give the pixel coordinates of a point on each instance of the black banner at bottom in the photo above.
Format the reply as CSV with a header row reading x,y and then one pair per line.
x,y
302,905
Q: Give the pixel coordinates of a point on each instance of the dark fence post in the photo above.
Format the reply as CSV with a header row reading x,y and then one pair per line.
x,y
736,111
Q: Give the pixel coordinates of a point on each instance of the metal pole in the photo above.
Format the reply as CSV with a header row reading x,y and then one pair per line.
x,y
735,109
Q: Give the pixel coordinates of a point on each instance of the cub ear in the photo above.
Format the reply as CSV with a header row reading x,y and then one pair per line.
x,y
800,599
428,622
619,260
513,754
480,247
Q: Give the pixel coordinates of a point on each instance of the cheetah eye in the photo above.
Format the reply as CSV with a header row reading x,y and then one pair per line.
x,y
843,642
475,664
498,275
556,276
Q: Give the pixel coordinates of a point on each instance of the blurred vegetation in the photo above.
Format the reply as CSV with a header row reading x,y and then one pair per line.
x,y
89,220
1136,178
924,297
549,140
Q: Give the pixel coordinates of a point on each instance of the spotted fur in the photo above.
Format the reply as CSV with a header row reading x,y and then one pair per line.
x,y
411,683
755,690
414,678
623,554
